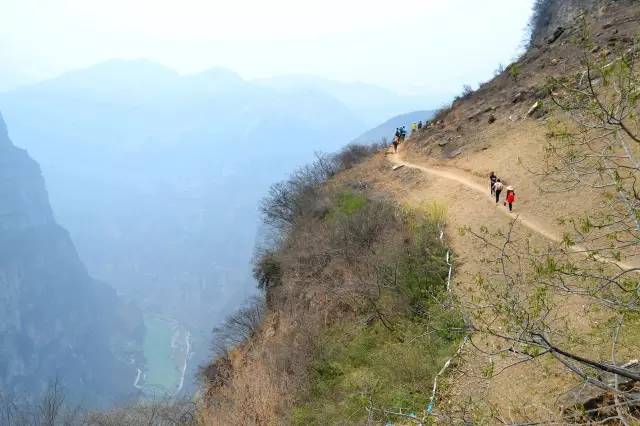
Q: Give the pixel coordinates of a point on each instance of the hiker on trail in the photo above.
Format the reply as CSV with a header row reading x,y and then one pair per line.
x,y
397,135
419,124
395,144
497,188
414,127
511,198
492,181
403,133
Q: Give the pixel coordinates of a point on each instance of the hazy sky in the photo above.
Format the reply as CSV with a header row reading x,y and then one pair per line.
x,y
425,46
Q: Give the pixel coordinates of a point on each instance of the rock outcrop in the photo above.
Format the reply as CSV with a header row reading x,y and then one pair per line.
x,y
552,17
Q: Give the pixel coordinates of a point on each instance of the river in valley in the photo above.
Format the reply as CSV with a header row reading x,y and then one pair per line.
x,y
167,349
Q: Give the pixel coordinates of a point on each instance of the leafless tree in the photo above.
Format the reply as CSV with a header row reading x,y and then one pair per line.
x,y
239,326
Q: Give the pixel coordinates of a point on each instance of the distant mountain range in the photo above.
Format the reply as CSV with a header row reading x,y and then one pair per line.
x,y
372,104
388,128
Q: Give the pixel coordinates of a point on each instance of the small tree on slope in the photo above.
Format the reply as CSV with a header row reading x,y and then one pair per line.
x,y
579,301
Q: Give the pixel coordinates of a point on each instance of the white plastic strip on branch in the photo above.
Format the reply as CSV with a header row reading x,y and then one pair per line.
x,y
450,263
430,406
440,373
449,260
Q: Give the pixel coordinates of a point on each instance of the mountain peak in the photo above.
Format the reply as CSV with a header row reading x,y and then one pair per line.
x,y
218,73
215,78
128,65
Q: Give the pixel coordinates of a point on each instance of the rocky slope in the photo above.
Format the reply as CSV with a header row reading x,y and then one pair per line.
x,y
495,128
55,321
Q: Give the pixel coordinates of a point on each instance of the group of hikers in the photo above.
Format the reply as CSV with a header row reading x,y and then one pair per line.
x,y
400,135
496,189
496,184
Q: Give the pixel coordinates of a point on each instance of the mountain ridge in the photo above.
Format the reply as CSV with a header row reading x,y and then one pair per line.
x,y
387,129
57,323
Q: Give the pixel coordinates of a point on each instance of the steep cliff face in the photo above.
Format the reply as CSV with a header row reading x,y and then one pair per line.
x,y
549,15
24,200
55,321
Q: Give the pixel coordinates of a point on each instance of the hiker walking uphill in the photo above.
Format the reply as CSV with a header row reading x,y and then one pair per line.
x,y
492,181
511,198
397,138
497,189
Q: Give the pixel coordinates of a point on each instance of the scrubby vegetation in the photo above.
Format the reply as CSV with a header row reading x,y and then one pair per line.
x,y
383,364
53,409
293,198
240,326
359,320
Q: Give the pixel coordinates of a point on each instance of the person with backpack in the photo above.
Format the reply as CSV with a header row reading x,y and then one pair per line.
x,y
420,125
511,198
492,181
497,189
395,144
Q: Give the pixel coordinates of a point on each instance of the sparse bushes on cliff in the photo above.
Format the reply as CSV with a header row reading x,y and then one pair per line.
x,y
296,196
267,270
239,327
52,409
405,326
361,320
515,70
168,413
467,92
353,154
353,281
299,197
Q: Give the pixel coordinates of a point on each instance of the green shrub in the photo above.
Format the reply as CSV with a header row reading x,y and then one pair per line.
x,y
514,71
387,364
348,203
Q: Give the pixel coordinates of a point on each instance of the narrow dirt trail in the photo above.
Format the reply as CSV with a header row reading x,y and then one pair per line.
x,y
471,182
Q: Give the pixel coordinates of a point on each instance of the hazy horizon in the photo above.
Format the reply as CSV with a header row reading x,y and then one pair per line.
x,y
405,47
151,179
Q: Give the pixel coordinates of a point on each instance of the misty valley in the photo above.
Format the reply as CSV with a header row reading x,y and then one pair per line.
x,y
157,178
253,213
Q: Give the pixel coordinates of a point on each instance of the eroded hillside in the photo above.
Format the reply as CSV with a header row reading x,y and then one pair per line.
x,y
543,307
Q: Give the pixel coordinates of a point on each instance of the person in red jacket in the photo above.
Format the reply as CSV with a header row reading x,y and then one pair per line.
x,y
511,197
